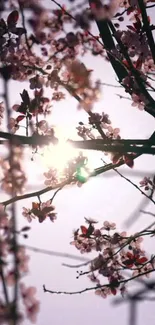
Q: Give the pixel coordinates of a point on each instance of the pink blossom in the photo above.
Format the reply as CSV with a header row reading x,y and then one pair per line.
x,y
102,10
33,310
16,107
31,304
44,210
113,132
103,292
36,82
52,177
57,96
108,226
136,243
138,101
27,213
22,260
13,125
43,126
146,183
148,267
124,4
149,65
14,179
27,293
93,278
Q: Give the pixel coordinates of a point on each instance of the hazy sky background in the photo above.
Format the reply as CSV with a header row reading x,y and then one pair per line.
x,y
106,197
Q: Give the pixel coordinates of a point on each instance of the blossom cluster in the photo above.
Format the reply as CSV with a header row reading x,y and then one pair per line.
x,y
12,274
41,211
118,252
13,175
147,183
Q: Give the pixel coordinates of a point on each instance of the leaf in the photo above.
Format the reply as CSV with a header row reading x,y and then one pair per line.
x,y
35,205
116,158
137,26
90,230
128,263
46,210
129,160
139,62
13,18
21,108
18,31
25,97
2,23
125,63
3,27
36,212
41,218
113,291
84,230
130,10
20,118
142,260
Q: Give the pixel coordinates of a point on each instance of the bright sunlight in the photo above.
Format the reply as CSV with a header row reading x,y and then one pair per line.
x,y
57,156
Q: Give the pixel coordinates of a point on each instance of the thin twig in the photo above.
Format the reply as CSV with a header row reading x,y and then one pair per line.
x,y
95,287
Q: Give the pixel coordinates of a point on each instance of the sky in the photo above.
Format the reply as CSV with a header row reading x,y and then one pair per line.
x,y
105,197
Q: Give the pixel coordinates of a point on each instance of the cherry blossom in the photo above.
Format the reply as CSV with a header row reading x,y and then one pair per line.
x,y
27,213
138,101
36,82
149,65
103,10
41,211
109,226
113,133
79,75
147,183
14,179
51,177
118,252
13,125
57,96
32,305
103,292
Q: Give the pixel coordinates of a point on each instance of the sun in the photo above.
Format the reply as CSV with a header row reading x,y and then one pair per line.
x,y
57,156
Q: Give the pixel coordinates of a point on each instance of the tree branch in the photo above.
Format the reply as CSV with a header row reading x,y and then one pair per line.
x,y
33,140
36,193
147,29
